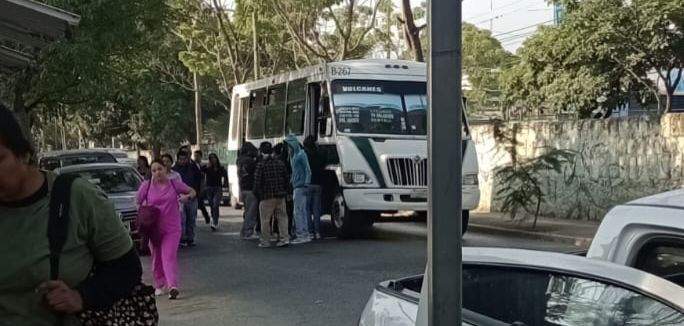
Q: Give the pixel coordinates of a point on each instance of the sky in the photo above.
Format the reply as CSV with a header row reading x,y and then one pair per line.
x,y
513,20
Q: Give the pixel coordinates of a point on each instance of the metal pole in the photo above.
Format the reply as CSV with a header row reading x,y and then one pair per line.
x,y
491,13
444,152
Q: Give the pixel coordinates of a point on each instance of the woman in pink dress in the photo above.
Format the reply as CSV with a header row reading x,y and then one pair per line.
x,y
165,194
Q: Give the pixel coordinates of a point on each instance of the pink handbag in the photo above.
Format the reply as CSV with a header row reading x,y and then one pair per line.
x,y
148,215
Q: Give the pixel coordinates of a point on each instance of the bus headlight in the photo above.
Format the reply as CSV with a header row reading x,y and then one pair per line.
x,y
470,180
356,177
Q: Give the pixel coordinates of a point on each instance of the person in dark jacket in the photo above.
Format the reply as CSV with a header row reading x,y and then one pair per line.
x,y
280,152
197,160
216,177
317,166
246,164
270,186
191,176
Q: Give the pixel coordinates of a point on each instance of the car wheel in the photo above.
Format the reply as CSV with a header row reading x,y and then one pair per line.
x,y
349,223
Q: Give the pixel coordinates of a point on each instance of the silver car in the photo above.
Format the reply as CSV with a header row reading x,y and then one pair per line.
x,y
59,159
120,182
522,287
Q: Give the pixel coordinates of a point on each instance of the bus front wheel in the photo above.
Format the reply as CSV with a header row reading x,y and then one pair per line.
x,y
349,223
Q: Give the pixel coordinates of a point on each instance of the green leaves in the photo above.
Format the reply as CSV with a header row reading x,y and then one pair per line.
x,y
520,181
598,57
483,59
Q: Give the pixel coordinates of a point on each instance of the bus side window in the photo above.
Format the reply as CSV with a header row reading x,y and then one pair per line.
x,y
275,111
256,114
296,99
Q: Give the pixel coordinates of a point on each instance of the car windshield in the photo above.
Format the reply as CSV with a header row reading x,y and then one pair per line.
x,y
380,107
112,181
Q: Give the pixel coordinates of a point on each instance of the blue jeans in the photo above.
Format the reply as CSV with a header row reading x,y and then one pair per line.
x,y
301,213
214,194
314,208
188,219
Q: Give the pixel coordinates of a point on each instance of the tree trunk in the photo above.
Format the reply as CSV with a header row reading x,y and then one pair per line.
x,y
156,151
668,99
536,214
19,107
411,31
198,110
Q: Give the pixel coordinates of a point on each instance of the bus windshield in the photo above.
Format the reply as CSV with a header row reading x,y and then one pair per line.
x,y
380,107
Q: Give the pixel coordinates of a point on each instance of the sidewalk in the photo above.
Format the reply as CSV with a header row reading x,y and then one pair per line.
x,y
576,232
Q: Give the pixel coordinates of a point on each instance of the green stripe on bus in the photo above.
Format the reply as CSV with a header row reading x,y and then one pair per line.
x,y
366,149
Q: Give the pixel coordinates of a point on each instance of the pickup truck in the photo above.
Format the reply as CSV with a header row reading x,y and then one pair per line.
x,y
633,269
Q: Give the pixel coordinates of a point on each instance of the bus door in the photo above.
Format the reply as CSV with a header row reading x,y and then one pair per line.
x,y
313,98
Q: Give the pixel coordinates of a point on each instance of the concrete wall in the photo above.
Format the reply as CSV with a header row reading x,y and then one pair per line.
x,y
617,160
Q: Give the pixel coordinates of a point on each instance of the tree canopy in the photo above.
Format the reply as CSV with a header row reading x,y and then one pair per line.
x,y
601,55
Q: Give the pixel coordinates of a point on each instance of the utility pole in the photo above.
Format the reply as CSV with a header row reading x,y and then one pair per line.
x,y
444,274
254,39
491,13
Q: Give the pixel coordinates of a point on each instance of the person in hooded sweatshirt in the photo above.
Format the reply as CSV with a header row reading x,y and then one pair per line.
x,y
300,180
246,164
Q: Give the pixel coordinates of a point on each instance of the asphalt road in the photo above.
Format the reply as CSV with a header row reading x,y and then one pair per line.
x,y
228,281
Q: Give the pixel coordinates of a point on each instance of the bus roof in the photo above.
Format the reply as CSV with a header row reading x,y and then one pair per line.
x,y
381,69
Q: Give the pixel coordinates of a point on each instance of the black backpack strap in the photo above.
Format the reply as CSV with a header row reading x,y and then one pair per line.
x,y
58,221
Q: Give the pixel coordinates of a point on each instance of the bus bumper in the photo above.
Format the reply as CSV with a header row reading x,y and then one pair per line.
x,y
401,199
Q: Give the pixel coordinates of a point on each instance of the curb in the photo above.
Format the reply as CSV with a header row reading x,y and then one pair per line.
x,y
580,242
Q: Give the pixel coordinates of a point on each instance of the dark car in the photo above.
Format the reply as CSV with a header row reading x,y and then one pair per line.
x,y
120,182
59,159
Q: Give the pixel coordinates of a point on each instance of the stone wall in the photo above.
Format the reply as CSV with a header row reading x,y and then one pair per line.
x,y
617,160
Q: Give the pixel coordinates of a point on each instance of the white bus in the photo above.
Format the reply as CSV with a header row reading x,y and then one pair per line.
x,y
370,120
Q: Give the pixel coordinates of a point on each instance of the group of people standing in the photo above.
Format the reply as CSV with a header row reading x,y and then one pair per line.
x,y
281,190
178,190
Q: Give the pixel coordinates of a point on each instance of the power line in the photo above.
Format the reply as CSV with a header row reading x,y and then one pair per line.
x,y
505,13
515,39
523,28
482,14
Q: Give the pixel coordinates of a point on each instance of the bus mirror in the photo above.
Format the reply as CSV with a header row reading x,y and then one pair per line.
x,y
328,126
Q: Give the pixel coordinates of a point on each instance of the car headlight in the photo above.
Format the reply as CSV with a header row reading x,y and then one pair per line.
x,y
357,177
470,180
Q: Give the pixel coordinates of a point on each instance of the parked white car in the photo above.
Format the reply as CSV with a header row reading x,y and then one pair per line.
x,y
635,272
504,286
647,234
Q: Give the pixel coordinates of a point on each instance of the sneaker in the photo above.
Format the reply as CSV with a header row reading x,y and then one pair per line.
x,y
282,243
173,294
300,240
250,237
264,245
213,228
190,244
317,236
158,292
